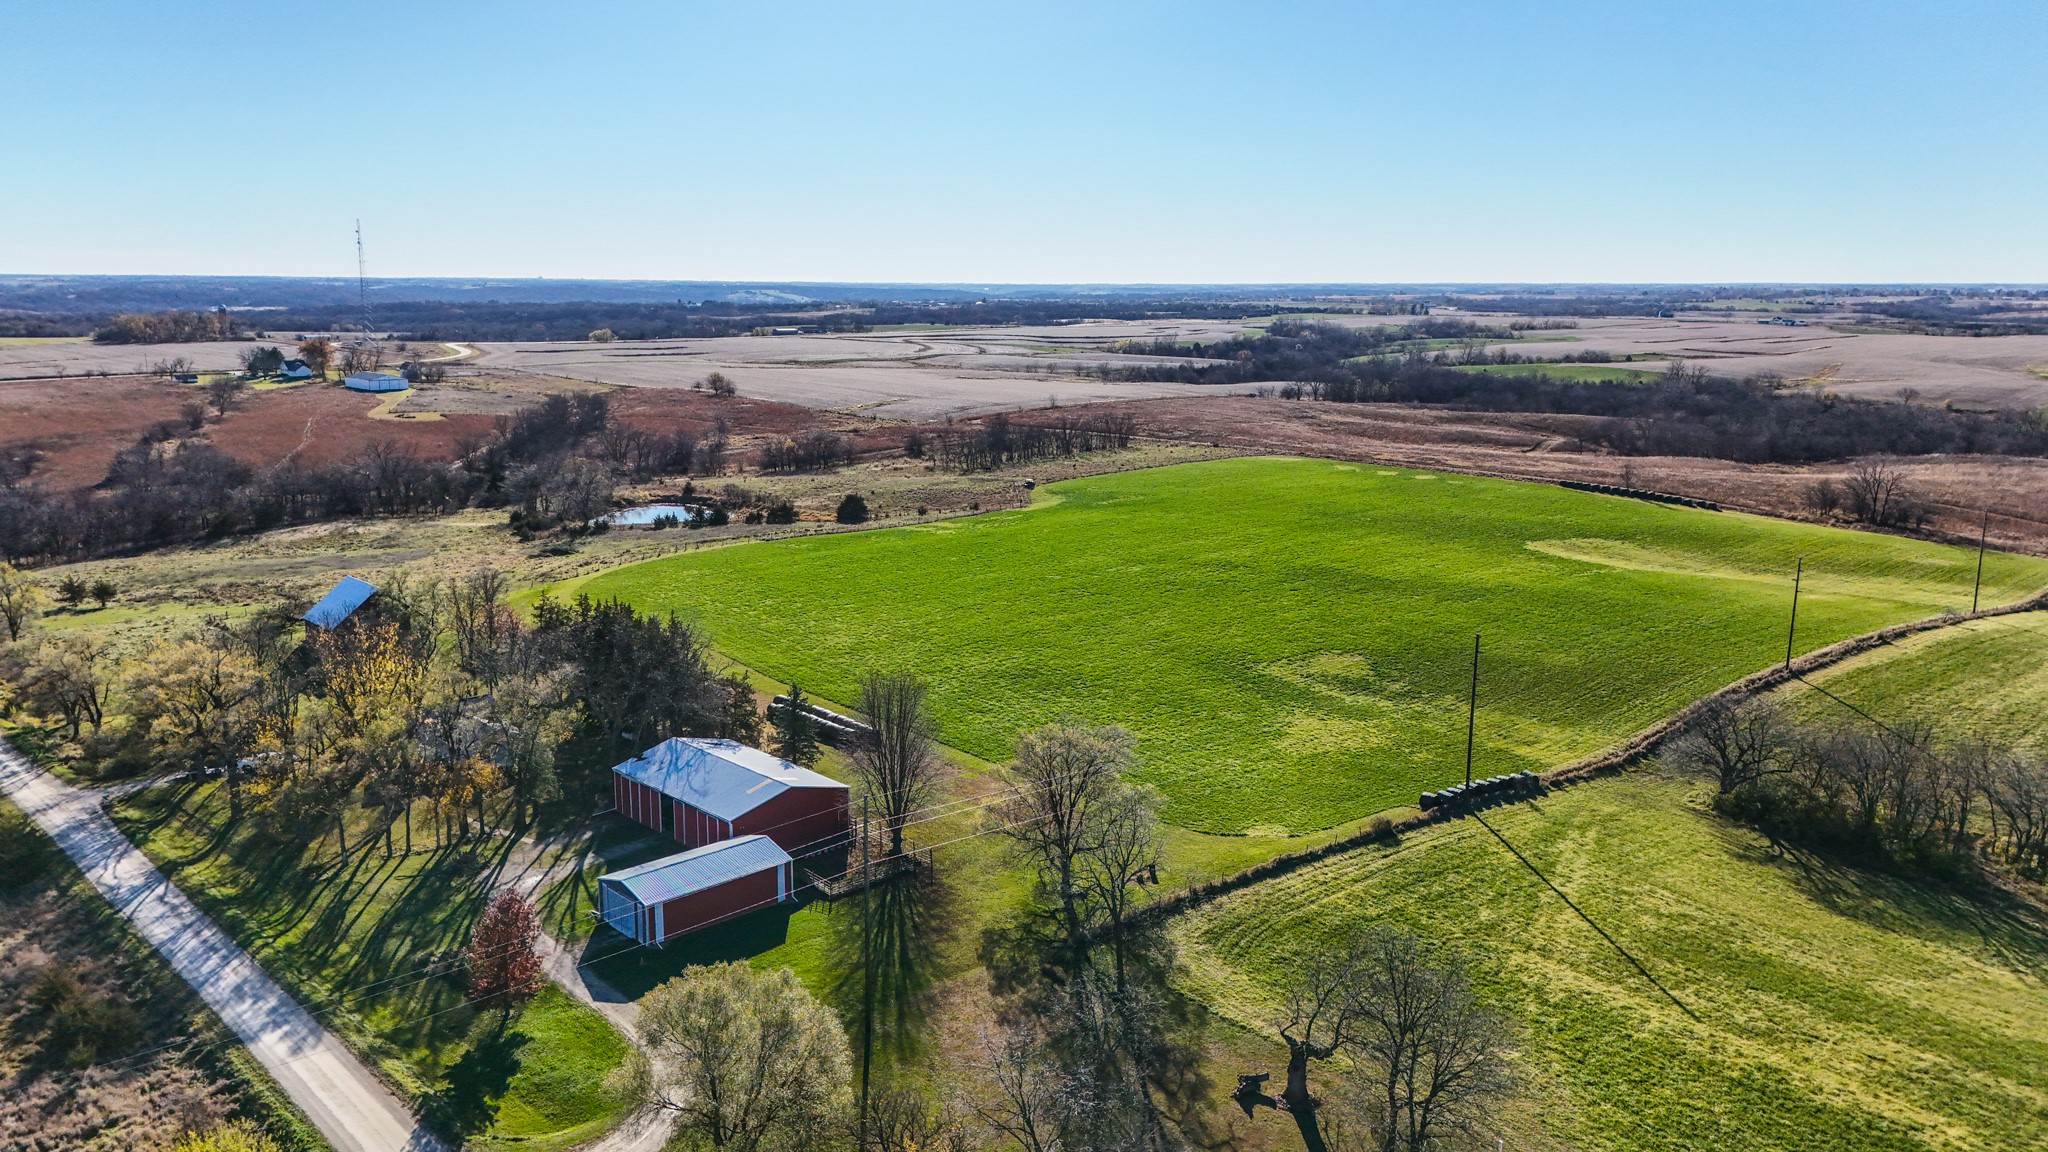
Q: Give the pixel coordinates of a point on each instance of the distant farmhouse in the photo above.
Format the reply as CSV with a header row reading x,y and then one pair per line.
x,y
340,603
295,370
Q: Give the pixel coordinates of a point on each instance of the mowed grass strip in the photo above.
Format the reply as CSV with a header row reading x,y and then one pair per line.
x,y
1835,1010
1290,639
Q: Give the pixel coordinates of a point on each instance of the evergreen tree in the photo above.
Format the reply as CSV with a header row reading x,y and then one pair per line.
x,y
796,738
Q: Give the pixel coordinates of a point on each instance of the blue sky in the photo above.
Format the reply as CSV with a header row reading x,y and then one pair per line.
x,y
1266,142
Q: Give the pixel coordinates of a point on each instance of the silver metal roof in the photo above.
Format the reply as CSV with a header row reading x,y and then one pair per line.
x,y
340,600
722,778
697,869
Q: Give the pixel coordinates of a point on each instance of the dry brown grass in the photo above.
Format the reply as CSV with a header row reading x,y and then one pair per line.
x,y
127,1100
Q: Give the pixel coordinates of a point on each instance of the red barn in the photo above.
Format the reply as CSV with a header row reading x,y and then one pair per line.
x,y
705,791
658,901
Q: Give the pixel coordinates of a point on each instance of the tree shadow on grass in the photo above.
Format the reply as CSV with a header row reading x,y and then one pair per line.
x,y
468,1100
906,919
2007,927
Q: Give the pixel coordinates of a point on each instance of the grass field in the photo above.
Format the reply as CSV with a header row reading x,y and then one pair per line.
x,y
1831,1010
1591,373
1290,639
351,942
1987,678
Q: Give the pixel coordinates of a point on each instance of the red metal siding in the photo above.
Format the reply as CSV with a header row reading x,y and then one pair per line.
x,y
636,801
728,899
793,819
797,817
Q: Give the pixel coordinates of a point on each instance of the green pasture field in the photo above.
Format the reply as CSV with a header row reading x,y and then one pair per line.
x,y
1985,678
1594,373
1290,639
1831,1010
351,942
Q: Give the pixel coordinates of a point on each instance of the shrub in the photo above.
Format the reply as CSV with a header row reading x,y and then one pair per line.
x,y
25,854
781,512
80,1025
852,510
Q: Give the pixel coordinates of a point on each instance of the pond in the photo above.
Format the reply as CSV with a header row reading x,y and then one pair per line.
x,y
648,513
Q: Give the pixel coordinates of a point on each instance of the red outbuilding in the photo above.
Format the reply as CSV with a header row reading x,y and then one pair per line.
x,y
658,901
704,791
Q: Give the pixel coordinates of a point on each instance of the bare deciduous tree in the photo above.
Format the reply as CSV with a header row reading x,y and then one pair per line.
x,y
1061,781
1736,743
1124,855
1029,1097
1316,1017
1432,1054
898,765
224,392
1876,493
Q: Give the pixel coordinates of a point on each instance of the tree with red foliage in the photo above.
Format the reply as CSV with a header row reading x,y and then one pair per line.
x,y
503,960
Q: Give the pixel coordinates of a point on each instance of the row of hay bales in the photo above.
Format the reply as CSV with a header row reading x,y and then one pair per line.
x,y
1514,784
1638,494
840,731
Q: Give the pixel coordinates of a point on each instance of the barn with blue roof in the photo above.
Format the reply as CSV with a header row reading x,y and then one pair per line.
x,y
660,900
340,602
704,791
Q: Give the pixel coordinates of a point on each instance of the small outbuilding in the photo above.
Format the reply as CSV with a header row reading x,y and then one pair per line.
x,y
340,603
660,900
703,791
374,382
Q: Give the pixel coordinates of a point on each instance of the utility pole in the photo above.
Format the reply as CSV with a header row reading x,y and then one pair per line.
x,y
1983,526
362,281
1472,709
1798,569
867,977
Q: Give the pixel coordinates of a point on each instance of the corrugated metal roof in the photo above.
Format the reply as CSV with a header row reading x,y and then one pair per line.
x,y
340,600
375,382
722,778
698,869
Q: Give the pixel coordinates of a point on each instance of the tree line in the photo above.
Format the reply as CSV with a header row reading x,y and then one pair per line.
x,y
1685,412
1000,440
549,461
172,327
432,702
1898,794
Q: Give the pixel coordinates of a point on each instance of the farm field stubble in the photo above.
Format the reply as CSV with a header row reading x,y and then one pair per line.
x,y
1290,639
1831,1009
